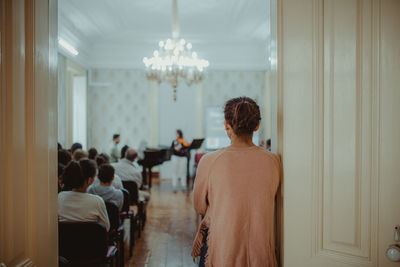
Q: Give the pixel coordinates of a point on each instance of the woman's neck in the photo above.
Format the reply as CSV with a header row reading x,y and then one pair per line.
x,y
80,189
105,184
242,141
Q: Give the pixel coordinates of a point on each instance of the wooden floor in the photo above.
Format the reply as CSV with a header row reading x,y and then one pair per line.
x,y
169,232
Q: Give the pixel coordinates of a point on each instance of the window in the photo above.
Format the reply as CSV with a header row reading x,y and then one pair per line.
x,y
79,107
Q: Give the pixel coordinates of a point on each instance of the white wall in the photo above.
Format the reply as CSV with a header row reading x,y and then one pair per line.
x,y
68,69
79,110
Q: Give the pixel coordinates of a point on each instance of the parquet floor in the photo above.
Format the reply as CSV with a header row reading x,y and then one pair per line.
x,y
169,232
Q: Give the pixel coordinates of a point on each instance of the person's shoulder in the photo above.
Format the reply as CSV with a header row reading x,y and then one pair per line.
x,y
115,164
118,192
63,194
212,156
93,198
268,155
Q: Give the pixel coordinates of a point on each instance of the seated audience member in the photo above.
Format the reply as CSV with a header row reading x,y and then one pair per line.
x,y
74,147
92,153
128,170
88,168
104,189
59,146
79,154
60,171
77,205
268,145
123,151
64,157
104,159
105,156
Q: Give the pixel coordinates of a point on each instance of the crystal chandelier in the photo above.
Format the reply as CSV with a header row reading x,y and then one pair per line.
x,y
175,59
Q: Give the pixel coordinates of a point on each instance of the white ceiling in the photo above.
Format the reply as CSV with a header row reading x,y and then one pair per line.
x,y
231,34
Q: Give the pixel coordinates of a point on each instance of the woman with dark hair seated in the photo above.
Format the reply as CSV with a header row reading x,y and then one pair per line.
x,y
77,205
235,191
64,157
123,151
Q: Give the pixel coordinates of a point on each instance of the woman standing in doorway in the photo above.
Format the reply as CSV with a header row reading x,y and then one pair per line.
x,y
179,161
235,191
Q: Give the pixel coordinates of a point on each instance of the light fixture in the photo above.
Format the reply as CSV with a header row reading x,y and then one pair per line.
x,y
175,59
68,47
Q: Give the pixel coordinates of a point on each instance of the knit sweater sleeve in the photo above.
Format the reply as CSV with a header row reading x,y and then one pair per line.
x,y
201,186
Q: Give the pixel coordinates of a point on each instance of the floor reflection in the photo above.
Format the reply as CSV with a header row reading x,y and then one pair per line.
x,y
169,232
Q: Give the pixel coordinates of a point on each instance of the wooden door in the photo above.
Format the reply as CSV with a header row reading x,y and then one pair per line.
x,y
28,133
339,130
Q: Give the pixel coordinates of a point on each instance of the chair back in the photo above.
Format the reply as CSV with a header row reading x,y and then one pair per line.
x,y
80,241
133,190
113,215
125,206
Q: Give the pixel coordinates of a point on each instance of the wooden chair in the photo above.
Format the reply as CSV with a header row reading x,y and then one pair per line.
x,y
126,213
133,189
84,244
116,232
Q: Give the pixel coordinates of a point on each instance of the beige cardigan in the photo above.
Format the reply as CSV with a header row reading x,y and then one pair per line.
x,y
235,189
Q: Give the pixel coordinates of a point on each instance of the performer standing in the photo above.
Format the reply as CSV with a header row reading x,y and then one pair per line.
x,y
114,150
179,160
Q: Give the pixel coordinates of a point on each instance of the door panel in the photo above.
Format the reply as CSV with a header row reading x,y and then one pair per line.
x,y
389,184
28,133
335,101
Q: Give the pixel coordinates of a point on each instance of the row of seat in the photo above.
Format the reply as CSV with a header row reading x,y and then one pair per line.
x,y
89,244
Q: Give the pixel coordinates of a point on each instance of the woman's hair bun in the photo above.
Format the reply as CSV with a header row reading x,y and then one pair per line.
x,y
242,114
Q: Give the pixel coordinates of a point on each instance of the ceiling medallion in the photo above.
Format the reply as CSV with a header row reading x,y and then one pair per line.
x,y
175,59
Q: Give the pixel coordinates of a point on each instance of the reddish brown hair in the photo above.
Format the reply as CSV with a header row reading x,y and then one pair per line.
x,y
242,114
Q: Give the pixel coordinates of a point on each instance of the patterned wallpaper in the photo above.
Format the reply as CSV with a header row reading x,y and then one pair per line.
x,y
219,86
123,106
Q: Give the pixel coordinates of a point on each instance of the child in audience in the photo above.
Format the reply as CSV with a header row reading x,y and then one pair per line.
x,y
104,188
77,205
104,159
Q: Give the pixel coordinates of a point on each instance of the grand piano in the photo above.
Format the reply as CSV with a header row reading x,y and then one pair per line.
x,y
153,157
156,156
